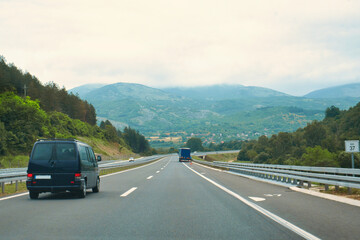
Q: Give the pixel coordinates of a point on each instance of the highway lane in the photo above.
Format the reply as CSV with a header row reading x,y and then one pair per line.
x,y
324,218
164,200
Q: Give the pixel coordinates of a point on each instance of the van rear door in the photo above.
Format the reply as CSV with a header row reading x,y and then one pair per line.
x,y
66,164
54,163
40,163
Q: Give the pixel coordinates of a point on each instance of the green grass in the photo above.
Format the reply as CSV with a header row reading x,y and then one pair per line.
x,y
10,188
224,157
10,161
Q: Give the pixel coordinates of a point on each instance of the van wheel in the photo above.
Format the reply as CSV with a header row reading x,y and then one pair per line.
x,y
82,192
97,187
33,195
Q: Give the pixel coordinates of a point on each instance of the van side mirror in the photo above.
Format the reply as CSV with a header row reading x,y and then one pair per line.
x,y
98,158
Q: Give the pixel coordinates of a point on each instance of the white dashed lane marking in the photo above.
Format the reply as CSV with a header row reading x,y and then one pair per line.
x,y
125,194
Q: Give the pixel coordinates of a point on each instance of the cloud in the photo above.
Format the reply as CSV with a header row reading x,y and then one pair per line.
x,y
277,44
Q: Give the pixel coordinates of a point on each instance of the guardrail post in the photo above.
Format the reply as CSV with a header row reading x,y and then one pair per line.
x,y
336,188
309,185
301,183
326,187
2,187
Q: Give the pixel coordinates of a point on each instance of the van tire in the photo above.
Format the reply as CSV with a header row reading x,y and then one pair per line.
x,y
33,195
82,192
97,187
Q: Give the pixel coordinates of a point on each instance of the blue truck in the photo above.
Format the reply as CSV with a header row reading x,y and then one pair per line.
x,y
184,154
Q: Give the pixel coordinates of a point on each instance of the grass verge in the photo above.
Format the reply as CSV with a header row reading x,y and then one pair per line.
x,y
344,192
223,157
10,189
17,161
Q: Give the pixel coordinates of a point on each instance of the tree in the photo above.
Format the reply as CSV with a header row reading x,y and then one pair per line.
x,y
136,141
23,120
3,135
195,144
319,157
314,133
332,112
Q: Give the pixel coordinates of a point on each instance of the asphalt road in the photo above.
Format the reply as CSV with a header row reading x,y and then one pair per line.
x,y
168,200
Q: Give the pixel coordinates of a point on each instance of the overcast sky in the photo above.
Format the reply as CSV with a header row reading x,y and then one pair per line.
x,y
289,45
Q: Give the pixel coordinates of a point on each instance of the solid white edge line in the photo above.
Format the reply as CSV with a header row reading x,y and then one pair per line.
x,y
215,169
128,170
125,194
14,196
265,212
150,177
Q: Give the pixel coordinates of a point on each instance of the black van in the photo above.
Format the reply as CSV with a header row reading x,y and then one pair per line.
x,y
58,165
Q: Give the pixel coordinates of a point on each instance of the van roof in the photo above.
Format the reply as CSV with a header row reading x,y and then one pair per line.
x,y
57,139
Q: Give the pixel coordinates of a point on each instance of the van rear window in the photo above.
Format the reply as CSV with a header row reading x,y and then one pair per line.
x,y
43,151
65,151
54,151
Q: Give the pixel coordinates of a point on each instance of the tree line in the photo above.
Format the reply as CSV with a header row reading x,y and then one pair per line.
x,y
129,136
51,97
320,143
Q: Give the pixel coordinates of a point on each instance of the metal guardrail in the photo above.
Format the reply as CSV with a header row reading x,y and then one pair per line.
x,y
297,175
16,175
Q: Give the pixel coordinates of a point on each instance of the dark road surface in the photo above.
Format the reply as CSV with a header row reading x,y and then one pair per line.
x,y
167,200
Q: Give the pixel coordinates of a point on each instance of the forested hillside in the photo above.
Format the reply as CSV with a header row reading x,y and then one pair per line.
x,y
320,143
50,112
22,121
50,96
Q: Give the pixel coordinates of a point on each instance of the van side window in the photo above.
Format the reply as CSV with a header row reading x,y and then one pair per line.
x,y
83,154
91,155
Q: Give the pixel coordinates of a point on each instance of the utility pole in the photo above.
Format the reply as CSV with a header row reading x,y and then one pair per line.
x,y
25,90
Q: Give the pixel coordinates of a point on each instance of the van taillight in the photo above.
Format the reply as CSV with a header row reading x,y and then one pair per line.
x,y
30,176
77,176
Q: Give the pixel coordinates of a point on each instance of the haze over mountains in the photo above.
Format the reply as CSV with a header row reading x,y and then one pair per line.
x,y
214,113
348,90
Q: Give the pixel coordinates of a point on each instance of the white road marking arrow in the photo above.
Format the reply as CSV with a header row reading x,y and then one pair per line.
x,y
257,199
272,195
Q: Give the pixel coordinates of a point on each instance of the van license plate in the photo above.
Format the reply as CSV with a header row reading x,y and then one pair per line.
x,y
43,177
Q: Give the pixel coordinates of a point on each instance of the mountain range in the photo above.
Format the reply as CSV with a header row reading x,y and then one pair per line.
x,y
214,113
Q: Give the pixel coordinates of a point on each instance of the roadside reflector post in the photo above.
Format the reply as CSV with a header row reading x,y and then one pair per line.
x,y
16,185
2,187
